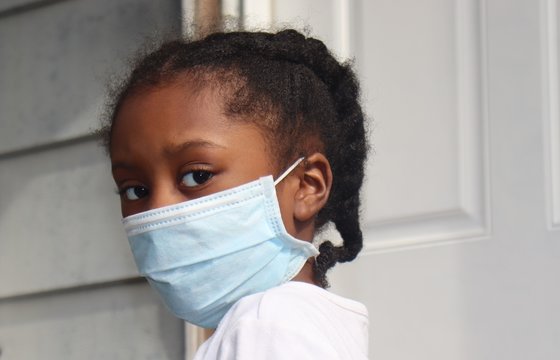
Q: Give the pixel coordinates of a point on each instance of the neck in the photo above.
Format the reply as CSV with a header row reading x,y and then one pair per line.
x,y
306,273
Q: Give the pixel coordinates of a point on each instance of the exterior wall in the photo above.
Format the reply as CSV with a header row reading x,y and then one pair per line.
x,y
68,285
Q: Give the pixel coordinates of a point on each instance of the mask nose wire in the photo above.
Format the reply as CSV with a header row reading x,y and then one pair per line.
x,y
288,171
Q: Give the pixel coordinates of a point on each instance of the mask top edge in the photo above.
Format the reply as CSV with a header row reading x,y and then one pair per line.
x,y
171,210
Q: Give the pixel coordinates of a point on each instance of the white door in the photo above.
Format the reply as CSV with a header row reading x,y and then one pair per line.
x,y
462,202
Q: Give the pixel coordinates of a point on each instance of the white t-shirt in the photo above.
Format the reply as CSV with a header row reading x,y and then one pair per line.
x,y
295,320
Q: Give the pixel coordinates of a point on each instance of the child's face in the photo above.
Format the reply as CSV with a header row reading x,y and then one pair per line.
x,y
170,145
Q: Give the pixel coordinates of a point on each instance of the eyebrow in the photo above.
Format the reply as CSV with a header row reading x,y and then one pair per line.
x,y
171,150
174,149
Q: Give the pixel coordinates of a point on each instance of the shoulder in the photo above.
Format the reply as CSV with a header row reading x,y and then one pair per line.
x,y
298,305
297,302
294,319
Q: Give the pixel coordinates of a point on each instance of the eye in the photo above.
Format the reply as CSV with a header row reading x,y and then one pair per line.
x,y
196,178
134,192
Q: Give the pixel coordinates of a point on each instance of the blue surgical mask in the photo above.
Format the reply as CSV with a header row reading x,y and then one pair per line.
x,y
203,255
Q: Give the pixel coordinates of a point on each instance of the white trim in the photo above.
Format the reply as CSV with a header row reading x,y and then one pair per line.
x,y
343,30
194,337
188,15
231,9
551,110
258,14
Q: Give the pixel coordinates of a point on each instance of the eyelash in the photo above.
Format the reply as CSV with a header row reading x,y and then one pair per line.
x,y
194,171
123,191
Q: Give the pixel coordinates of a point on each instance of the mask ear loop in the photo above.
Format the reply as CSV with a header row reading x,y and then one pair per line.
x,y
288,171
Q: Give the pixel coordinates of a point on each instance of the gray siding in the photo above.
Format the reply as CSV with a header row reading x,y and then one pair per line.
x,y
68,284
122,321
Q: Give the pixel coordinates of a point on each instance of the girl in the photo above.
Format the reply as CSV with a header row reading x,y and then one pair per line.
x,y
230,153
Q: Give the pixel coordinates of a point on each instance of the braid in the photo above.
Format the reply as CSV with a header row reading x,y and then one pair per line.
x,y
293,88
347,161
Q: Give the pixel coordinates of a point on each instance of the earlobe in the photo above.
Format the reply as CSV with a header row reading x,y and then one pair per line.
x,y
314,187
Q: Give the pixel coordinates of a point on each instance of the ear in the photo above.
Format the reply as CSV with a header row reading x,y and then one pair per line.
x,y
314,187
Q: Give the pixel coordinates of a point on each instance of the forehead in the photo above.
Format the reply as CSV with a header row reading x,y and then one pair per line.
x,y
163,117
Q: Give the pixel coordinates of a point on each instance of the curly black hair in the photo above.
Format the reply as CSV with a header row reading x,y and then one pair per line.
x,y
296,92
